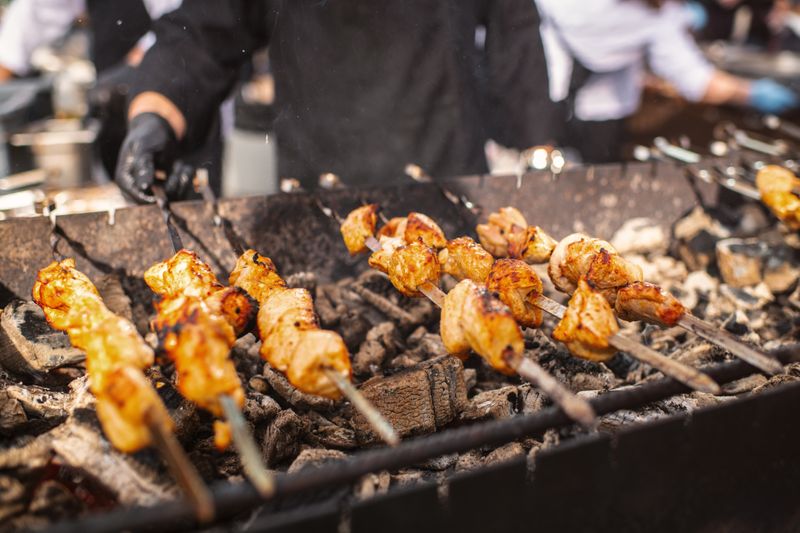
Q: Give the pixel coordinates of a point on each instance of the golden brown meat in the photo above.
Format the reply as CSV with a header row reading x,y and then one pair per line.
x,y
648,302
778,187
256,274
422,227
472,316
579,255
504,233
412,265
463,258
291,341
395,227
358,227
116,355
588,324
184,274
198,341
517,285
381,259
538,246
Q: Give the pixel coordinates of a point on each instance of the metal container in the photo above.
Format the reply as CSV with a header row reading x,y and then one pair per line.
x,y
63,147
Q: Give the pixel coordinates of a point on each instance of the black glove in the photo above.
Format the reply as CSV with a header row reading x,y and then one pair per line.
x,y
150,145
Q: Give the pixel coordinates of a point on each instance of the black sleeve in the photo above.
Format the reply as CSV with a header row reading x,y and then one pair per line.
x,y
522,114
199,50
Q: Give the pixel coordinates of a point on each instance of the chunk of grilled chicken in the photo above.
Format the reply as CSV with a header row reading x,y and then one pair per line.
x,y
395,227
517,285
358,227
778,187
256,274
463,258
408,266
414,227
588,324
198,341
505,232
116,355
472,318
538,246
184,274
578,255
648,302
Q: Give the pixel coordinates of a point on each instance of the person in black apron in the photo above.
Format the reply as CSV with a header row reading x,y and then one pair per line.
x,y
363,88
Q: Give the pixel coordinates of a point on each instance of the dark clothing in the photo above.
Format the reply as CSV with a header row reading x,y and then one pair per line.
x,y
362,87
598,141
117,25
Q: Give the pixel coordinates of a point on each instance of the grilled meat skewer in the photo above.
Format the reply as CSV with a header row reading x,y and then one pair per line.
x,y
779,187
316,361
128,407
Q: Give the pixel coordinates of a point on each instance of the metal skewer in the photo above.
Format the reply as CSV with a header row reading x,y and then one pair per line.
x,y
243,440
181,468
574,406
691,377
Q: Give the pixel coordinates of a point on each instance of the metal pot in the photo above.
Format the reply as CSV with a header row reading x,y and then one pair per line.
x,y
64,148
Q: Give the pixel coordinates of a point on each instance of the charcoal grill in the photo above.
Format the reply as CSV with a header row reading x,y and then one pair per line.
x,y
732,467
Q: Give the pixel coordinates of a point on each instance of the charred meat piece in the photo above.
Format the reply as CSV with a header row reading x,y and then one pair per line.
x,y
648,302
579,255
408,266
517,285
395,227
505,232
587,325
198,341
358,227
421,227
184,274
463,258
116,354
256,274
473,318
778,187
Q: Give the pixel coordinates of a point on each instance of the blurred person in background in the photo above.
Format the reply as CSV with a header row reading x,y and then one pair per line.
x,y
596,57
363,88
120,35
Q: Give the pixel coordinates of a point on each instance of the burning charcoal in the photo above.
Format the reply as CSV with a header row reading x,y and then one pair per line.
x,y
532,399
747,298
695,240
40,402
504,454
281,440
382,342
373,484
313,458
744,385
353,327
328,434
697,287
12,497
791,374
405,478
492,404
417,400
328,316
685,403
425,344
469,461
288,392
259,384
470,378
54,501
740,261
385,306
441,463
260,408
640,236
29,345
737,323
12,414
700,354
302,280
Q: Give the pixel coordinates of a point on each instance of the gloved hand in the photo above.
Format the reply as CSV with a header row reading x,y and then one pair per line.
x,y
150,145
696,15
769,96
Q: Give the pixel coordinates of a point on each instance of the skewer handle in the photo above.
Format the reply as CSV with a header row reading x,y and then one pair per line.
x,y
721,338
691,377
257,473
182,469
370,412
574,406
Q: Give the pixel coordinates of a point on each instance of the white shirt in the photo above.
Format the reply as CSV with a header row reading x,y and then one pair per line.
x,y
29,24
613,38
